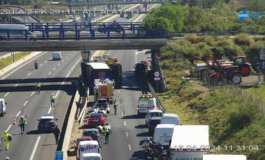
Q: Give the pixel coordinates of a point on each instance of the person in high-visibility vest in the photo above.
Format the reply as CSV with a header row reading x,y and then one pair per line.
x,y
6,138
106,132
115,107
52,100
38,85
22,124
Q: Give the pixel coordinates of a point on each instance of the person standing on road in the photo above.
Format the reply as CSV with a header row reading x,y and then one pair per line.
x,y
22,124
56,132
106,132
38,85
52,100
6,137
115,107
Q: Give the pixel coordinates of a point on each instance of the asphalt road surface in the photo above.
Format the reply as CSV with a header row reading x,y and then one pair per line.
x,y
55,76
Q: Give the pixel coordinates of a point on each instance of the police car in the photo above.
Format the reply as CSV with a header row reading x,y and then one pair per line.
x,y
146,103
47,123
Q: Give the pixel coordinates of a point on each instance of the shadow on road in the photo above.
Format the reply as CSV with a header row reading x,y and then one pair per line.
x,y
139,154
37,132
141,126
143,134
35,80
131,117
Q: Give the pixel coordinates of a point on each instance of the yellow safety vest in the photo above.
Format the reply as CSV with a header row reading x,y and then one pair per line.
x,y
38,85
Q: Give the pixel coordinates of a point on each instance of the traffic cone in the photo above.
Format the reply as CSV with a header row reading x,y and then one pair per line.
x,y
15,122
26,116
23,111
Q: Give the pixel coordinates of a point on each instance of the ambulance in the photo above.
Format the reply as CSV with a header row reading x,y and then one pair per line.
x,y
145,103
104,89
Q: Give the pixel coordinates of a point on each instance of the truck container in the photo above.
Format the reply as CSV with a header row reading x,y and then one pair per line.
x,y
189,142
87,147
92,71
163,134
224,157
170,118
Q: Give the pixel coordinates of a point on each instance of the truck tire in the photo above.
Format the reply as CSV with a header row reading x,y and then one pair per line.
x,y
244,70
236,79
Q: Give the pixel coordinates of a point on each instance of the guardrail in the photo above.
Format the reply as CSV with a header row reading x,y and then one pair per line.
x,y
159,104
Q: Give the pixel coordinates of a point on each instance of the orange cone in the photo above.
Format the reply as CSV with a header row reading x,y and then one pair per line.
x,y
15,122
23,111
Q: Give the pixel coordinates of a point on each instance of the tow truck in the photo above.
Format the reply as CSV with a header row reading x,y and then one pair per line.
x,y
116,69
104,89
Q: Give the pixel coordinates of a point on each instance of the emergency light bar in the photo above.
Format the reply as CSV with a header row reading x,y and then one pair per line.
x,y
146,96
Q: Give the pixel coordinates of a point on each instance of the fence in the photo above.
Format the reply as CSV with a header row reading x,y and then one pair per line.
x,y
158,103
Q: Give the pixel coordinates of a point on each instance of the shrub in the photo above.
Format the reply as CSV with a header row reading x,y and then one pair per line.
x,y
254,50
209,40
191,38
244,39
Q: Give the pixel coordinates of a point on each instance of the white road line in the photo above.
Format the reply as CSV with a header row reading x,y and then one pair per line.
x,y
16,85
70,54
135,57
23,78
18,114
108,52
49,73
124,123
25,103
130,147
45,61
127,134
21,66
9,127
54,68
50,57
122,113
35,148
57,94
50,110
6,94
41,64
29,73
62,60
66,57
58,64
119,91
32,94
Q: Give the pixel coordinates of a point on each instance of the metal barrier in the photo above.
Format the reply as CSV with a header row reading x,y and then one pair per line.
x,y
159,104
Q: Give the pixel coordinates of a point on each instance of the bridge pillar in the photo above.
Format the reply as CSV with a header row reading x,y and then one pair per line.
x,y
85,55
145,7
159,85
109,7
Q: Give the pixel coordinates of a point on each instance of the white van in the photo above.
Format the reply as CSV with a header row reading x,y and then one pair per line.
x,y
170,118
222,157
2,107
146,103
16,31
163,133
57,56
90,156
87,147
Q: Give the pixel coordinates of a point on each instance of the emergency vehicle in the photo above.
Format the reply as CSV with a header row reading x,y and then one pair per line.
x,y
145,103
105,89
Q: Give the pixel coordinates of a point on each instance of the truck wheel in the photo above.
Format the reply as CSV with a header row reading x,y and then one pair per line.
x,y
244,70
236,79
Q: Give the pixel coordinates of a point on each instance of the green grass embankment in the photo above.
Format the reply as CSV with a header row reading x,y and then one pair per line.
x,y
4,62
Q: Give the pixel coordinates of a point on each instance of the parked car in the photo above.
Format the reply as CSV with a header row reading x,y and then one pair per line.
x,y
114,27
3,105
152,113
92,132
154,121
170,118
96,119
84,138
47,123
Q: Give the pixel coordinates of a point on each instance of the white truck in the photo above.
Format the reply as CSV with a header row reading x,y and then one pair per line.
x,y
189,142
146,103
224,157
87,147
170,118
163,134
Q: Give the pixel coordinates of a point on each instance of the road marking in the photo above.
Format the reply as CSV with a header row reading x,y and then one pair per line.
x,y
45,61
41,64
66,57
22,66
49,73
26,103
16,85
32,94
29,73
18,114
23,78
58,64
130,147
50,57
122,113
135,57
35,148
54,68
124,123
9,127
62,60
50,110
127,134
119,91
70,54
6,94
57,94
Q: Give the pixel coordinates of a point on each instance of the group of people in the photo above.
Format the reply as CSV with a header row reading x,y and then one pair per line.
x,y
157,147
105,131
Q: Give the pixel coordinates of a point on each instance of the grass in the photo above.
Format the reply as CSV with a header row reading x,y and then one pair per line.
x,y
4,62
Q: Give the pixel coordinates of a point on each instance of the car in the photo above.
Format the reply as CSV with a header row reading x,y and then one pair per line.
x,y
154,121
114,27
3,105
103,104
140,69
57,56
47,123
84,138
152,113
96,119
94,133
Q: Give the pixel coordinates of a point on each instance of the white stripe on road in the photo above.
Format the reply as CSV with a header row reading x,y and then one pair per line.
x,y
127,134
58,64
22,66
50,110
54,68
41,64
45,61
26,103
29,73
119,91
124,123
50,57
66,57
32,94
62,60
57,94
18,114
35,148
9,127
122,113
16,85
6,94
49,73
130,147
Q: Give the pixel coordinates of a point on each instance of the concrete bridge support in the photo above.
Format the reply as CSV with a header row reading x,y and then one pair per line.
x,y
109,7
85,55
145,7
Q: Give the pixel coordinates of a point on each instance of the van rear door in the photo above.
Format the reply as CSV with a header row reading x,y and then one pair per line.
x,y
144,105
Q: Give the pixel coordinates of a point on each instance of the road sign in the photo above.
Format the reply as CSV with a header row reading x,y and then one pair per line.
x,y
156,74
59,155
157,78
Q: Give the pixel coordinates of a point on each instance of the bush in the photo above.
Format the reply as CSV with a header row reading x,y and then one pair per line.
x,y
254,50
209,40
244,39
191,38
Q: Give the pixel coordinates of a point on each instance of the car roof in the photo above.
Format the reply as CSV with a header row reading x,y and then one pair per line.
x,y
88,142
170,115
156,118
47,116
91,129
85,137
155,111
166,126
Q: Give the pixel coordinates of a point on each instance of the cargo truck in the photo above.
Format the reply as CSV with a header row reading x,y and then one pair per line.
x,y
189,142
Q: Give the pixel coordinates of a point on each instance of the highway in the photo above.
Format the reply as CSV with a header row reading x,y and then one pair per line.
x,y
18,90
